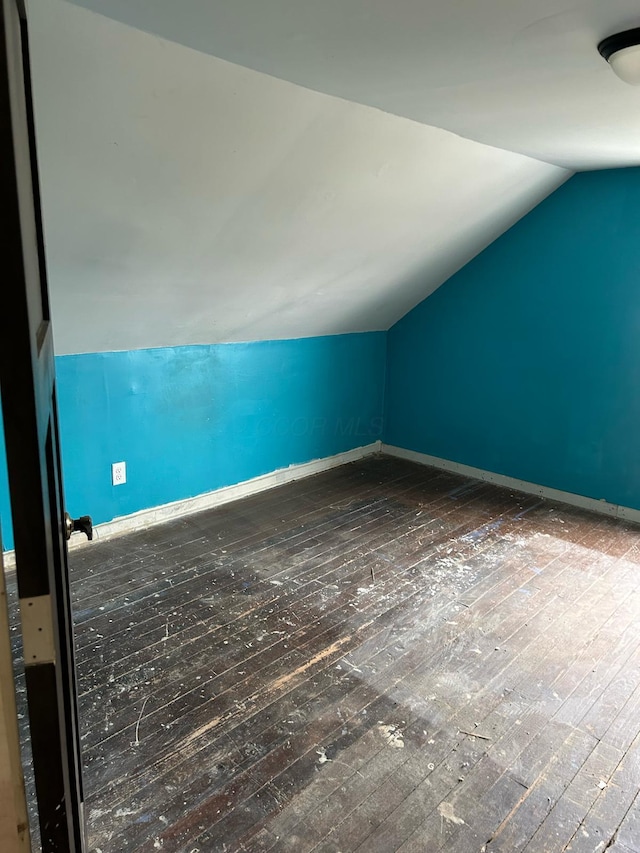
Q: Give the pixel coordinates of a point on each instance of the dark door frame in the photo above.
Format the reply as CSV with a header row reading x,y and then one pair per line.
x,y
27,384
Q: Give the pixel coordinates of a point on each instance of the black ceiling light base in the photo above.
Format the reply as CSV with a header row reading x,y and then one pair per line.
x,y
619,41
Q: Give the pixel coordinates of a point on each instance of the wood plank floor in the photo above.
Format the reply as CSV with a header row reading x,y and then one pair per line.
x,y
384,658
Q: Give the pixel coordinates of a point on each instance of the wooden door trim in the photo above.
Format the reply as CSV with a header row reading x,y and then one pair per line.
x,y
14,823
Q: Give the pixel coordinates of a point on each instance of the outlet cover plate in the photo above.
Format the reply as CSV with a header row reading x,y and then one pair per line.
x,y
119,473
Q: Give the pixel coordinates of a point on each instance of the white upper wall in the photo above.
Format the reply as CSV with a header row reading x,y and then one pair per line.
x,y
524,75
190,200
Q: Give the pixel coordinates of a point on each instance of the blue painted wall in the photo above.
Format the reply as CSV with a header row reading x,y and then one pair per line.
x,y
191,419
6,537
527,361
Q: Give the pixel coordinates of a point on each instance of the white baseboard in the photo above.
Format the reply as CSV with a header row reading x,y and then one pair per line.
x,y
218,497
177,509
593,504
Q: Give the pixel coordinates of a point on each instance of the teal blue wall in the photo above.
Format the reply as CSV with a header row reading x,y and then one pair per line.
x,y
527,362
6,538
191,419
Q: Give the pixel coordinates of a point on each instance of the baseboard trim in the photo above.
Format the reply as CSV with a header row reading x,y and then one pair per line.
x,y
601,506
218,497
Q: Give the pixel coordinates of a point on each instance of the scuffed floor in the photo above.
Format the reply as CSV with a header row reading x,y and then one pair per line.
x,y
381,658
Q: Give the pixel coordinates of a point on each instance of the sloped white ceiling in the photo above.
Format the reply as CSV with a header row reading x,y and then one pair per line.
x,y
524,75
190,200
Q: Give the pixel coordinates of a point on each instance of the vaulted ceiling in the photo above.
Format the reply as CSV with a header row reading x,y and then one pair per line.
x,y
216,171
524,75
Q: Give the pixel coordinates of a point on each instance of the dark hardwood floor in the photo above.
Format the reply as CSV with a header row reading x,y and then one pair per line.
x,y
384,658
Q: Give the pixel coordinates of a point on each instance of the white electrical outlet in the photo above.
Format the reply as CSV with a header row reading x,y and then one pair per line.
x,y
118,473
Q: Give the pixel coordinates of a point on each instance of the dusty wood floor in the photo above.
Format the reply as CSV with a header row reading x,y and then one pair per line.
x,y
381,658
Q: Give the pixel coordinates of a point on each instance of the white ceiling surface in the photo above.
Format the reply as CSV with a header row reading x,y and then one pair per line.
x,y
524,75
190,200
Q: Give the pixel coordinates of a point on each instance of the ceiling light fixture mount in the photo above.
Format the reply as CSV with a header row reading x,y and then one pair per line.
x,y
622,52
